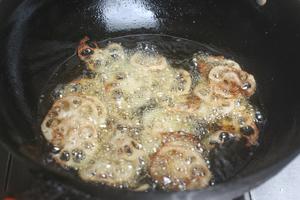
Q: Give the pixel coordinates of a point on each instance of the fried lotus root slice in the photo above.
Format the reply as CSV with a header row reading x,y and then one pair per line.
x,y
226,76
230,82
73,107
113,172
206,62
178,165
119,167
71,125
86,107
148,62
212,105
183,82
79,146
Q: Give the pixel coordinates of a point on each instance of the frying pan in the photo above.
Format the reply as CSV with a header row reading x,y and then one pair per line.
x,y
37,36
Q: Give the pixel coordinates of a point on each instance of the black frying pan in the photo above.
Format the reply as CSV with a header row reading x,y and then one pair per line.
x,y
37,36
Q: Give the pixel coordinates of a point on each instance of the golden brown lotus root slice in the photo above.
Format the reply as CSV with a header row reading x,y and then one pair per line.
x,y
116,172
80,145
212,106
206,62
71,125
119,167
178,164
229,82
225,76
